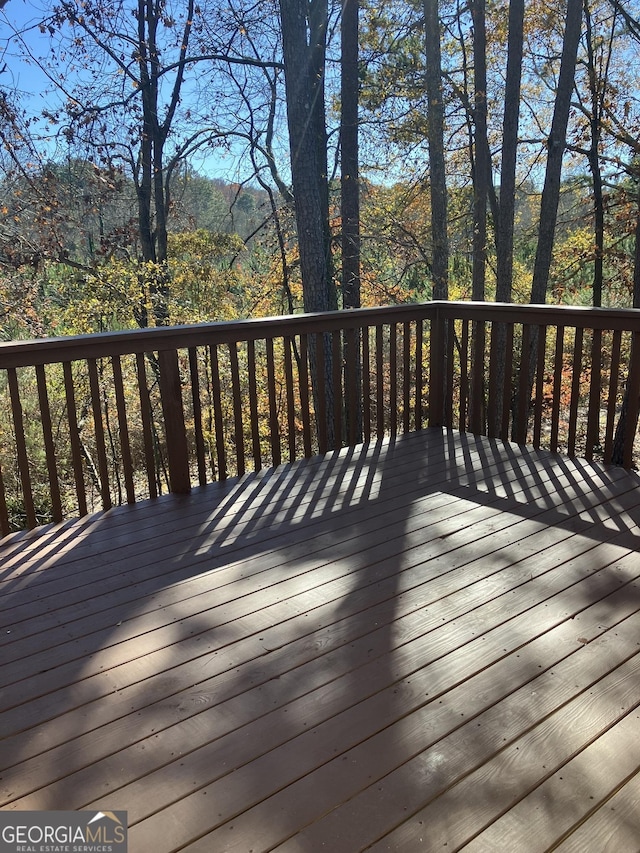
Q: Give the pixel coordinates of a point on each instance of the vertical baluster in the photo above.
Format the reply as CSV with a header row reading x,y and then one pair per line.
x,y
291,410
253,405
612,401
507,379
147,425
238,428
436,355
419,375
304,395
595,394
125,445
352,358
575,391
221,453
406,376
379,383
101,448
520,431
320,399
450,331
274,428
557,389
366,385
338,396
393,378
540,375
21,447
498,331
49,446
74,434
197,415
464,377
476,419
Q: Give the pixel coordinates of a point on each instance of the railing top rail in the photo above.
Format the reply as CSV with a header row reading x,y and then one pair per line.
x,y
544,315
51,350
54,350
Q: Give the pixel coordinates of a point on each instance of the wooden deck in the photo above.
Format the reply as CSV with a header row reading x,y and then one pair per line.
x,y
427,644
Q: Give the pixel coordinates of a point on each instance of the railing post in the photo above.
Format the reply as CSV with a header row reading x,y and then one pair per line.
x,y
437,370
633,395
525,383
173,412
477,407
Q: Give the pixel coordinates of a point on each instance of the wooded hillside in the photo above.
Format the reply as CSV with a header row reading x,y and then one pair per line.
x,y
198,161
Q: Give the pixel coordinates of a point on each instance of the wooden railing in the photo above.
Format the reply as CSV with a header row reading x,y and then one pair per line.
x,y
98,420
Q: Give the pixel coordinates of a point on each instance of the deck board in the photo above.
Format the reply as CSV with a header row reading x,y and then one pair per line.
x,y
373,649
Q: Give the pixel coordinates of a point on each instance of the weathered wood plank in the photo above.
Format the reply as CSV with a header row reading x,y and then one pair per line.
x,y
324,751
334,651
525,573
464,724
109,574
563,800
614,824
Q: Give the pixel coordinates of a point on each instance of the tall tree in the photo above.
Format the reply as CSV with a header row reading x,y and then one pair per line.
x,y
304,33
125,95
437,169
598,85
510,122
504,228
481,167
349,151
556,145
628,421
481,161
105,33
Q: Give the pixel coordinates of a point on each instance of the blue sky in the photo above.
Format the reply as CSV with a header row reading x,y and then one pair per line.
x,y
24,17
36,92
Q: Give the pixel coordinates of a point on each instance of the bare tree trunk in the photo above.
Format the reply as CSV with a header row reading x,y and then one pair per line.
x,y
304,84
308,164
506,209
318,16
350,198
482,166
597,92
624,422
504,230
150,174
435,130
556,147
349,181
481,178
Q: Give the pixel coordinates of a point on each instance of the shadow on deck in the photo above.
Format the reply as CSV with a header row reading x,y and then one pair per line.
x,y
424,644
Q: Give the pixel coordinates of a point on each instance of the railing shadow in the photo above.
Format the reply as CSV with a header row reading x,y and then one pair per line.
x,y
224,653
